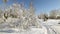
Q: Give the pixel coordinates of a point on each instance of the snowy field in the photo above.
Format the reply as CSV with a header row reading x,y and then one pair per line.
x,y
48,27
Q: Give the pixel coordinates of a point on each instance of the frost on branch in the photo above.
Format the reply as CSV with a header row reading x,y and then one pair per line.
x,y
17,16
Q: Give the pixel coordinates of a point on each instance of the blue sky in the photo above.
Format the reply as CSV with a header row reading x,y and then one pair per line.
x,y
40,5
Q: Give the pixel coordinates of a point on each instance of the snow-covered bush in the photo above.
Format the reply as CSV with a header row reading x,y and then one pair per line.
x,y
16,16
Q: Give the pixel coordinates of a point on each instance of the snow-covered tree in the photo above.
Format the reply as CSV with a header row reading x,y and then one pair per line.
x,y
16,16
43,16
53,14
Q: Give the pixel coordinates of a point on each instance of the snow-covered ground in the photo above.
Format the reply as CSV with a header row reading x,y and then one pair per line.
x,y
50,26
31,31
54,24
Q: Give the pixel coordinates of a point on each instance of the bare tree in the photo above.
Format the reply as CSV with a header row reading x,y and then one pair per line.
x,y
53,14
5,1
43,16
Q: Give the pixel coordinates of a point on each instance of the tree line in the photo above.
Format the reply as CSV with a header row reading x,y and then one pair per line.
x,y
53,14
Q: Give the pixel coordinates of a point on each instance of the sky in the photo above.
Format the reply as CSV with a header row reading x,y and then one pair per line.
x,y
39,5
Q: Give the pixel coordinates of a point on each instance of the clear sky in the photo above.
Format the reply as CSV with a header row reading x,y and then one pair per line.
x,y
40,5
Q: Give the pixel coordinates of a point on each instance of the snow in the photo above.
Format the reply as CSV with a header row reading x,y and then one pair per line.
x,y
50,26
57,29
32,31
27,23
54,24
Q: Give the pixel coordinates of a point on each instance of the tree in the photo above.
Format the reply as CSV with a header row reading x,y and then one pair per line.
x,y
5,1
43,16
53,14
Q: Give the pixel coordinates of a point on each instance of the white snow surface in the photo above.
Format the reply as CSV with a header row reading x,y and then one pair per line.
x,y
48,27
